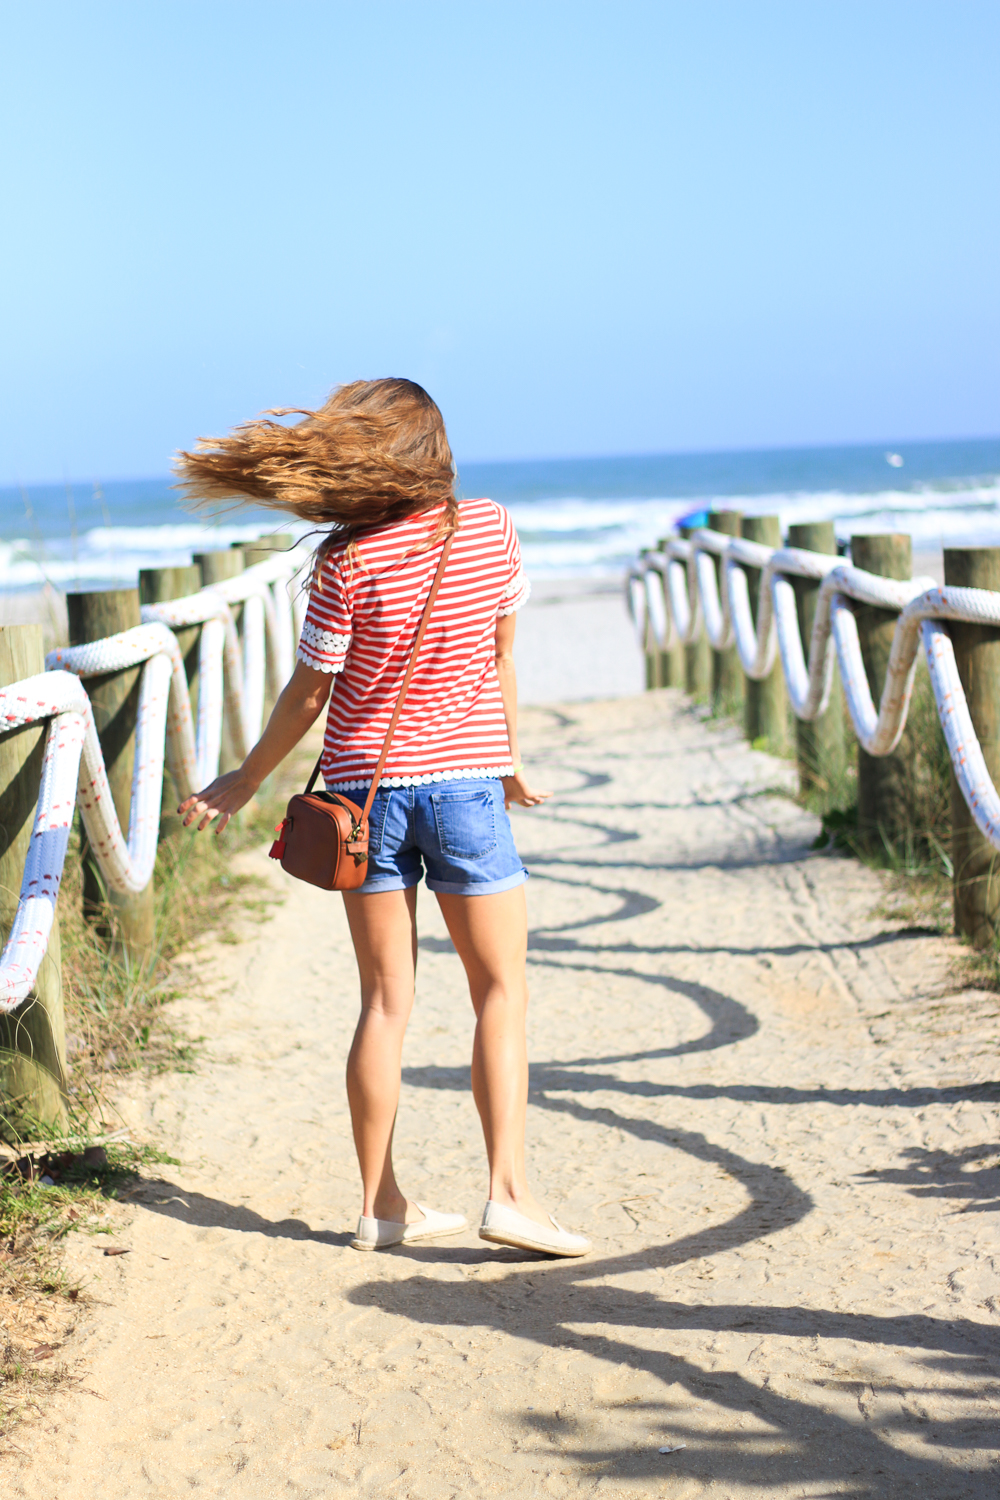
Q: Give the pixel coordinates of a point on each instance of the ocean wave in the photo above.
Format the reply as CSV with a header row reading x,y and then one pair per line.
x,y
593,537
114,555
562,536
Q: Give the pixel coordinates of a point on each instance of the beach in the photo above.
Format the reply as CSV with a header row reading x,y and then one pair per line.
x,y
574,638
704,296
769,1100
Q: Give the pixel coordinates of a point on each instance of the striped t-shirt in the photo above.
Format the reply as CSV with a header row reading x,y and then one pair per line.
x,y
363,616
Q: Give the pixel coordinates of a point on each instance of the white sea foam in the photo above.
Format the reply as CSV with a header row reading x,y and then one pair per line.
x,y
595,537
579,536
113,555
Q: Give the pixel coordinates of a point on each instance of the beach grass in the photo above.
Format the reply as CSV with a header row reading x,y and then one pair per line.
x,y
38,1301
117,1007
916,854
916,851
118,1021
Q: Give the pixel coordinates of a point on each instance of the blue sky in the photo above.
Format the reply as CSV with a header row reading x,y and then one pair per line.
x,y
587,228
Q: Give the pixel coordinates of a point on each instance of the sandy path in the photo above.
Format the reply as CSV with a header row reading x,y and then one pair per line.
x,y
762,1100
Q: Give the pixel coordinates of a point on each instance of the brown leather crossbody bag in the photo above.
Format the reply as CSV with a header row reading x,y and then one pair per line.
x,y
324,836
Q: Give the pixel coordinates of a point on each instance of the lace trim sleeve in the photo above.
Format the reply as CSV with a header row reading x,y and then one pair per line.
x,y
514,595
323,650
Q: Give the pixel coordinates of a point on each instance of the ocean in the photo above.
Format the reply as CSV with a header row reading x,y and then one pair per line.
x,y
577,518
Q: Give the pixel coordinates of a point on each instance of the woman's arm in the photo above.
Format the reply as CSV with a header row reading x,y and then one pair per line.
x,y
300,705
515,788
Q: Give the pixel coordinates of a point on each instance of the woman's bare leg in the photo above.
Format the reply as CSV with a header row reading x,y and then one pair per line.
x,y
384,930
491,936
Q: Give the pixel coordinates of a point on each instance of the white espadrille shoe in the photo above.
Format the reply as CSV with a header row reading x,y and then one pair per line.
x,y
379,1234
503,1226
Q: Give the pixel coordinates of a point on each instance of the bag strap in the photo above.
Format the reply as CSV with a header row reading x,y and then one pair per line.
x,y
424,622
315,773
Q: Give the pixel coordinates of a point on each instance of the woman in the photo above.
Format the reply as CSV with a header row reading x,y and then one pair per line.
x,y
374,466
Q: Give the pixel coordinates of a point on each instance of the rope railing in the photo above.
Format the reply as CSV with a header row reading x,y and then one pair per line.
x,y
234,676
674,596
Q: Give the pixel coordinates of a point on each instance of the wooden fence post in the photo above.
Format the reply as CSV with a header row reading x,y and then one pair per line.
x,y
650,652
883,780
216,567
727,673
159,586
33,1037
114,697
652,658
256,551
697,657
821,744
672,661
765,705
977,654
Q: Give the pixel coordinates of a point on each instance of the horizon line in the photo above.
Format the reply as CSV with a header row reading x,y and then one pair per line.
x,y
891,444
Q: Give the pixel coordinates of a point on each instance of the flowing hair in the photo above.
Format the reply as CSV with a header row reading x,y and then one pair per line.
x,y
375,452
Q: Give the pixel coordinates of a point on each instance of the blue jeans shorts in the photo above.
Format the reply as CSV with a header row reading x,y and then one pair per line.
x,y
457,832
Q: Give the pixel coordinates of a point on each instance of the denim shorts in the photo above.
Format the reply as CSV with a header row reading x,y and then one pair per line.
x,y
458,832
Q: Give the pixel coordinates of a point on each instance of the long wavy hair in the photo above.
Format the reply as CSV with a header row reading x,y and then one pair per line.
x,y
374,453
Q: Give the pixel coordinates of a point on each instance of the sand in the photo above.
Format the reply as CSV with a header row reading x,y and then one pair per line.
x,y
769,1104
574,639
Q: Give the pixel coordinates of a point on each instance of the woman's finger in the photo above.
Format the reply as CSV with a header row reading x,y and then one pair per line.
x,y
527,799
203,809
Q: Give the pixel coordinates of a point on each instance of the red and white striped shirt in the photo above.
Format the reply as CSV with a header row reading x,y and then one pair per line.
x,y
361,623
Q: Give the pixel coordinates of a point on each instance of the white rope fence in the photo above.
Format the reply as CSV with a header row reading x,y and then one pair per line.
x,y
674,594
233,678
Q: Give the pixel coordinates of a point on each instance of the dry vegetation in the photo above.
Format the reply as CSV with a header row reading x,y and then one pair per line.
x,y
38,1305
919,852
117,1012
117,1020
916,858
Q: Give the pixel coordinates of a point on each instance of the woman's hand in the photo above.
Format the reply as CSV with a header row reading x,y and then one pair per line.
x,y
300,704
221,800
516,789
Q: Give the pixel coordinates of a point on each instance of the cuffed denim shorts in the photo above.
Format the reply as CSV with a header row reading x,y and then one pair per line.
x,y
457,832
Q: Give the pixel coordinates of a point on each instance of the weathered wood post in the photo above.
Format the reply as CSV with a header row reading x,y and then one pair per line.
x,y
652,660
977,654
672,661
158,586
33,1037
697,657
821,745
263,546
216,567
765,704
883,780
255,552
650,651
114,697
727,674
